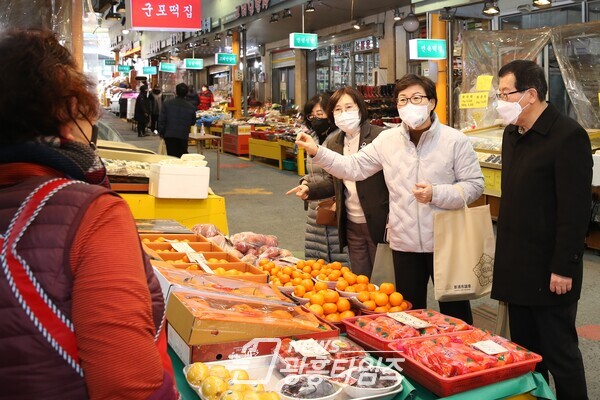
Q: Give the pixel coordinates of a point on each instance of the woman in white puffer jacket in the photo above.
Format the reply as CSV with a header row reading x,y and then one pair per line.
x,y
422,160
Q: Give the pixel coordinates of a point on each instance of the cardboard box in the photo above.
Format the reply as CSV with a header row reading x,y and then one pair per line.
x,y
229,350
179,181
210,329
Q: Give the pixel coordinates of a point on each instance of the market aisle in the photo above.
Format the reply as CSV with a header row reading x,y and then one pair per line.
x,y
255,201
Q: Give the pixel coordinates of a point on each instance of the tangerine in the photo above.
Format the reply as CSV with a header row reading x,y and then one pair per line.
x,y
364,296
362,279
341,285
336,265
396,299
307,269
322,277
281,314
343,270
347,314
334,275
329,308
351,289
314,273
308,284
343,304
381,299
380,310
370,304
297,281
331,296
371,287
321,261
299,291
350,278
387,288
317,299
404,305
320,286
317,309
263,261
296,274
395,309
284,278
334,317
360,287
300,264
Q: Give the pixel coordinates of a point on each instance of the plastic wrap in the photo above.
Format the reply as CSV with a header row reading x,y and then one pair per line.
x,y
219,284
206,230
267,317
484,53
577,51
54,15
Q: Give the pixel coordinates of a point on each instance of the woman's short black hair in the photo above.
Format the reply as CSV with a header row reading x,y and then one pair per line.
x,y
409,80
321,99
356,97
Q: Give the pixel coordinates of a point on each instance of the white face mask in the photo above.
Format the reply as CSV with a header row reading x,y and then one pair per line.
x,y
509,112
414,115
348,121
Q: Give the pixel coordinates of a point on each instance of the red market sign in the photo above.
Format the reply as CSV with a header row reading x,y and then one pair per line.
x,y
166,15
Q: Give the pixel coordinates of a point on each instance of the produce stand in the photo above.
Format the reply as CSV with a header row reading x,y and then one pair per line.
x,y
275,150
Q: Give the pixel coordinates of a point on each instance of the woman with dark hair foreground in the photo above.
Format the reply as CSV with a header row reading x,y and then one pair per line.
x,y
82,311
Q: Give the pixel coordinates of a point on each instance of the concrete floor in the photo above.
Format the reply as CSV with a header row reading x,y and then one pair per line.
x,y
256,201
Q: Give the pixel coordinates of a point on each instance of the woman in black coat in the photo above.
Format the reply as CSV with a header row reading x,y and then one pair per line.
x,y
143,108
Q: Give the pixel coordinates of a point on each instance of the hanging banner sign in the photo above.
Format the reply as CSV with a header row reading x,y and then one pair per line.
x,y
123,68
427,49
473,100
149,70
167,67
193,63
110,62
166,15
307,41
225,59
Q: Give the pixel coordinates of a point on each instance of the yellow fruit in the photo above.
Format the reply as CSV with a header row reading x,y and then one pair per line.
x,y
252,396
299,291
308,284
197,373
238,387
329,308
350,278
239,375
331,296
370,304
232,395
380,310
335,317
343,304
213,387
387,288
320,286
395,309
256,387
347,314
364,296
317,299
316,308
381,299
341,285
219,371
362,279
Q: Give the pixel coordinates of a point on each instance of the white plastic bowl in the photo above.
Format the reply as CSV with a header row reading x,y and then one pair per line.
x,y
330,284
286,289
354,391
279,386
351,294
300,300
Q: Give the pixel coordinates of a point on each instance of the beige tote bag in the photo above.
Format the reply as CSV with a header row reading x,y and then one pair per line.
x,y
463,252
383,265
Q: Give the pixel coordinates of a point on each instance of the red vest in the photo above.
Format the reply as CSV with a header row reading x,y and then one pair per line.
x,y
38,350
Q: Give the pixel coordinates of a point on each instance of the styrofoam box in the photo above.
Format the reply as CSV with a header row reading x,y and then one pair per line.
x,y
179,181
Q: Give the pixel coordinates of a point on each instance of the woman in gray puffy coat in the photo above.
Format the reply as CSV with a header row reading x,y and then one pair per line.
x,y
320,241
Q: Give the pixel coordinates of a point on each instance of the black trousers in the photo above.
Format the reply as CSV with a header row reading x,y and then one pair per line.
x,y
153,122
141,127
413,271
176,147
550,331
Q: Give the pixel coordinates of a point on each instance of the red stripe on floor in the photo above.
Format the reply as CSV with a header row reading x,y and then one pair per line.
x,y
591,332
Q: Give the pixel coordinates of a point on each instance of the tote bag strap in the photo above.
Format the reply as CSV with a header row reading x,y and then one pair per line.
x,y
460,190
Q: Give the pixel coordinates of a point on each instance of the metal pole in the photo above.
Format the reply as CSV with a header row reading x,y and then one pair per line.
x,y
245,74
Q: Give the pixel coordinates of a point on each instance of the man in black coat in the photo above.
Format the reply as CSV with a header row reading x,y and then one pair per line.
x,y
176,118
542,224
143,108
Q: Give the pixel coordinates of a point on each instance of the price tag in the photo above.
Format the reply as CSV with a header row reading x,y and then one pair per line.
x,y
182,247
201,261
489,347
290,260
484,83
309,348
473,100
409,320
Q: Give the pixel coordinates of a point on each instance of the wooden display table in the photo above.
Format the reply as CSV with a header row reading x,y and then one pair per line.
x,y
200,146
188,212
275,150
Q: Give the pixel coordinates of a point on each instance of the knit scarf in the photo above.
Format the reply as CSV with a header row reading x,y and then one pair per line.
x,y
76,160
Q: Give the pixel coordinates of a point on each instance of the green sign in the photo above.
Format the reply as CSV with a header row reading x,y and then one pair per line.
x,y
123,68
193,63
303,41
149,70
225,59
110,62
427,49
167,67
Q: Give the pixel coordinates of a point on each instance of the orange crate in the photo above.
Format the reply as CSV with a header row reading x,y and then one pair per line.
x,y
235,144
257,274
197,246
220,255
443,386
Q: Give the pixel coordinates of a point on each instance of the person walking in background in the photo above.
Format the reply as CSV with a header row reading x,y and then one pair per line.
x,y
320,242
156,107
176,118
71,320
206,98
422,160
192,97
362,207
542,224
143,108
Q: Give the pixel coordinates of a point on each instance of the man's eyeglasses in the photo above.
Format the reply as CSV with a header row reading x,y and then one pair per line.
x,y
347,108
319,114
504,96
414,99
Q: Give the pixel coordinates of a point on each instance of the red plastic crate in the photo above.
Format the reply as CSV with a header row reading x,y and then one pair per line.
x,y
371,341
235,144
443,386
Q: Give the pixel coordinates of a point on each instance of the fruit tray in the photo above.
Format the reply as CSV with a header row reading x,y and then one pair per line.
x,y
165,237
372,341
263,370
446,386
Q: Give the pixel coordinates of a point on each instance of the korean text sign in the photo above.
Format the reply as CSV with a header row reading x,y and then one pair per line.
x,y
176,15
